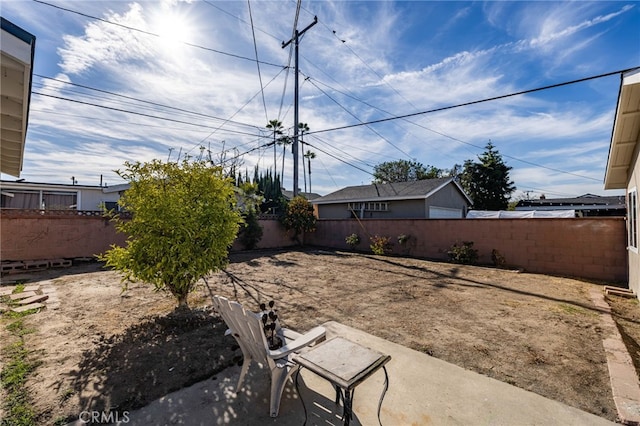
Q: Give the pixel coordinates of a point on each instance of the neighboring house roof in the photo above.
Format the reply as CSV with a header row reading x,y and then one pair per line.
x,y
624,136
583,202
18,49
116,188
308,195
17,185
389,191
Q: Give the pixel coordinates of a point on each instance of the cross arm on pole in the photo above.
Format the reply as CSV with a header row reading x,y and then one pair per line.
x,y
299,33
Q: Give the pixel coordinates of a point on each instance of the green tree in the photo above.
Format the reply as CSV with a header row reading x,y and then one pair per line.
x,y
404,171
487,181
284,141
249,202
276,128
183,222
250,230
299,217
309,155
303,128
271,189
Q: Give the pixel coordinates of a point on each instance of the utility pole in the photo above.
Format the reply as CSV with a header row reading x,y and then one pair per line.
x,y
295,40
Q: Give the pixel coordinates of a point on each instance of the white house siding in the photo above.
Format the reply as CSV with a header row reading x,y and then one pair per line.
x,y
634,255
86,197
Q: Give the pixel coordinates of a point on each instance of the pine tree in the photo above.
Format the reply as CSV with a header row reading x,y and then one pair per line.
x,y
487,181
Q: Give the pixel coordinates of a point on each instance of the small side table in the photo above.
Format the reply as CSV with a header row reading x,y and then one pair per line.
x,y
345,364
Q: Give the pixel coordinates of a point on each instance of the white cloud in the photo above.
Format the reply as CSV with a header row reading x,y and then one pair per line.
x,y
554,26
370,65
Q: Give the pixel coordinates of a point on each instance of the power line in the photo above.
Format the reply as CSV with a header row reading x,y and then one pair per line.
x,y
105,120
495,98
457,139
135,113
148,102
233,55
354,116
241,108
338,158
255,48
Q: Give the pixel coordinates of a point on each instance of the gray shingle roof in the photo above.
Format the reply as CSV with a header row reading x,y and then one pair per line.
x,y
382,191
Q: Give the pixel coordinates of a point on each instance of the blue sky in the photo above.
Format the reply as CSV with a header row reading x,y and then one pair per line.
x,y
362,61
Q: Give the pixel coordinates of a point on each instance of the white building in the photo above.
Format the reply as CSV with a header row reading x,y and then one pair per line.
x,y
623,165
51,196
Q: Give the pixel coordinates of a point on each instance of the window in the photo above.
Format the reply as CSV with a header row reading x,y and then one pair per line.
x,y
20,199
370,206
632,215
59,200
49,200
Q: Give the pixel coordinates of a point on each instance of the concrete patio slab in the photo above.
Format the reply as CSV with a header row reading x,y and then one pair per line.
x,y
423,391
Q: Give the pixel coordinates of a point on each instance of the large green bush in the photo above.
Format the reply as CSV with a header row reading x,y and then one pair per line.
x,y
183,223
299,217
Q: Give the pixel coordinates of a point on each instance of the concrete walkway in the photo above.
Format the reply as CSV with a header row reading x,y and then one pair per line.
x,y
423,391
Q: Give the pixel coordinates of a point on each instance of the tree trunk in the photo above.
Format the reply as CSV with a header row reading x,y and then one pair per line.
x,y
182,301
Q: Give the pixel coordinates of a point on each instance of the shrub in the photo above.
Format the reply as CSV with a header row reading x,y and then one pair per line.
x,y
183,222
299,217
352,240
380,245
464,254
250,231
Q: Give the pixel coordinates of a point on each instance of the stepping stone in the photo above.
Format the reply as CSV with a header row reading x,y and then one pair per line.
x,y
6,291
27,307
22,295
621,289
620,293
34,299
32,287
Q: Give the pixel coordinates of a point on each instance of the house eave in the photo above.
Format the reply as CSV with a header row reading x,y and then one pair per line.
x,y
18,50
625,132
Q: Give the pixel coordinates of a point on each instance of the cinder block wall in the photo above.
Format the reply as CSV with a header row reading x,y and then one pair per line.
x,y
592,248
33,236
27,235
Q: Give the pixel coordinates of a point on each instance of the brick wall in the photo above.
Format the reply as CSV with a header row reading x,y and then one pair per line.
x,y
592,248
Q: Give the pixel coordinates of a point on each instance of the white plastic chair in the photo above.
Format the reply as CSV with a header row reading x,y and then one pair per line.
x,y
247,328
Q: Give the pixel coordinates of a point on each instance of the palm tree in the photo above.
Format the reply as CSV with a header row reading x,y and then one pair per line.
x,y
284,141
303,127
309,155
276,127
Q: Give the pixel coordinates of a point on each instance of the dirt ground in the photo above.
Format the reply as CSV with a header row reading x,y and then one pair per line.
x,y
107,350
